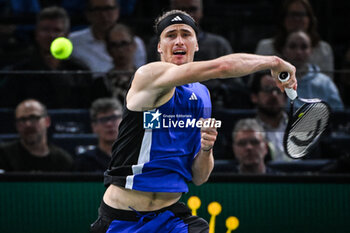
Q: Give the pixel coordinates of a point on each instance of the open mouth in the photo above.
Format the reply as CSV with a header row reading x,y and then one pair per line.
x,y
179,52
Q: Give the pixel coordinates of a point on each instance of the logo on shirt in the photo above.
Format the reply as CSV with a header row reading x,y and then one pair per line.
x,y
151,119
193,96
177,18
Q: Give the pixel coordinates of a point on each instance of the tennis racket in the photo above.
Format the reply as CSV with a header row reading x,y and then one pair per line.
x,y
305,125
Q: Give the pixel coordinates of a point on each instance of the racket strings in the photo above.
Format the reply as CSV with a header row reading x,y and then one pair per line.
x,y
308,126
306,120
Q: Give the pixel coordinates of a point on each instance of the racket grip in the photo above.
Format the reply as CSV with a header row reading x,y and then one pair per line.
x,y
291,93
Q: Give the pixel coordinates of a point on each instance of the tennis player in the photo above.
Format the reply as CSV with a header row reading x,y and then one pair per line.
x,y
150,168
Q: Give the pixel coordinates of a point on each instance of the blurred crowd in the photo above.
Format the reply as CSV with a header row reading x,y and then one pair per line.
x,y
92,83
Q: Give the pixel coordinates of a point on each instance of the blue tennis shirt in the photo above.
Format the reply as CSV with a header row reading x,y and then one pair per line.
x,y
155,149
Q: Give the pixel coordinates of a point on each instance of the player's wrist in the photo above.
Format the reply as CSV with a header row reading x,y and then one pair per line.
x,y
207,149
276,62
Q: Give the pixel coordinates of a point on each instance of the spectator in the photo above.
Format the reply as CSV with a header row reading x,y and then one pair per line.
x,y
32,152
298,15
250,147
89,44
344,80
340,165
34,6
311,83
270,103
106,116
12,46
52,22
121,47
16,29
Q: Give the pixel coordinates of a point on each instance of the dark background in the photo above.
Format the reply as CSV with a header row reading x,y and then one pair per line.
x,y
242,22
245,22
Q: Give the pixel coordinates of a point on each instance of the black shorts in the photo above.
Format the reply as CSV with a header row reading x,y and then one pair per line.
x,y
174,218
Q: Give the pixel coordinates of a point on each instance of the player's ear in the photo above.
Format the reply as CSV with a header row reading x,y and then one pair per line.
x,y
197,47
159,49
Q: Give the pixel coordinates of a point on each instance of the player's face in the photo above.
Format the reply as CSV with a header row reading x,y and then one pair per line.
x,y
296,18
249,148
298,49
106,125
47,30
269,100
31,123
178,43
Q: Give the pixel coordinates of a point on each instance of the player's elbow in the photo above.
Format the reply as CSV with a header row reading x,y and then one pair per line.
x,y
200,180
224,68
198,183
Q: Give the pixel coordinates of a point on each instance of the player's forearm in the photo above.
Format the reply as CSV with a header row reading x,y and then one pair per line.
x,y
232,65
202,166
241,64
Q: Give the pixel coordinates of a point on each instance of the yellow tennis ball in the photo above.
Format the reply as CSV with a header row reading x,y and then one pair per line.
x,y
61,48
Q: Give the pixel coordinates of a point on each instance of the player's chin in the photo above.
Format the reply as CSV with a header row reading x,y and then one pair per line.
x,y
179,60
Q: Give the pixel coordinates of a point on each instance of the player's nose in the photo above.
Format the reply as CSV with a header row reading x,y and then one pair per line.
x,y
179,40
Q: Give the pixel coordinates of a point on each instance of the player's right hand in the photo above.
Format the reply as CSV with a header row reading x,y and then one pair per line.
x,y
283,66
208,135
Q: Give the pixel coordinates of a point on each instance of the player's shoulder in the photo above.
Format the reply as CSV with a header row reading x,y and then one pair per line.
x,y
146,77
153,68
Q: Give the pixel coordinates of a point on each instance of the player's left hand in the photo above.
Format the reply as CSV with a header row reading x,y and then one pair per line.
x,y
208,135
